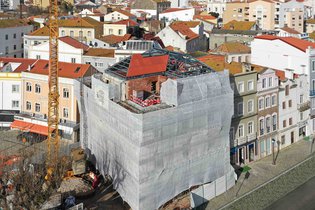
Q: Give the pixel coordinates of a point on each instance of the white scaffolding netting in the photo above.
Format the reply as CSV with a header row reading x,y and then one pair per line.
x,y
154,156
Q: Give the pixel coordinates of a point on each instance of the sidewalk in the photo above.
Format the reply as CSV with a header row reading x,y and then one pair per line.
x,y
262,171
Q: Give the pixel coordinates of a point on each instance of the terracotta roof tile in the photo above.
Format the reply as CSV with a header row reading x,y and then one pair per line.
x,y
281,75
100,52
184,29
67,70
74,43
126,22
239,25
24,63
295,42
124,12
233,47
113,39
43,31
174,10
310,21
146,65
9,23
290,30
85,22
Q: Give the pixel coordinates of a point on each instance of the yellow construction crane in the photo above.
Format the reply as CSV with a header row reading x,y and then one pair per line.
x,y
53,95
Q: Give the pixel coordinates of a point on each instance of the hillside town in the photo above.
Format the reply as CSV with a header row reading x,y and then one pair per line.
x,y
159,104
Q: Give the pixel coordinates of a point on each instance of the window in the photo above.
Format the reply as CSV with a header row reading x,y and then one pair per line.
x,y
37,57
37,88
28,87
120,31
301,99
261,104
284,123
264,83
313,65
283,105
6,50
250,85
28,105
240,130
15,104
63,33
290,103
290,121
270,81
261,126
287,90
14,36
71,33
6,37
240,87
274,122
301,115
14,47
250,127
267,102
250,106
283,139
66,93
268,125
72,60
65,113
273,100
22,34
97,64
89,33
110,31
15,88
37,107
240,110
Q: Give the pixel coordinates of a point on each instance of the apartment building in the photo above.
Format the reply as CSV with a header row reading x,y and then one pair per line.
x,y
118,15
236,10
120,28
45,3
291,14
153,7
234,51
175,14
267,114
263,13
34,38
310,25
11,37
10,87
217,6
34,102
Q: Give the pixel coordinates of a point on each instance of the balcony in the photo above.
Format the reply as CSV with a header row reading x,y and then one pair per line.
x,y
268,129
241,140
312,92
304,106
261,132
251,137
274,127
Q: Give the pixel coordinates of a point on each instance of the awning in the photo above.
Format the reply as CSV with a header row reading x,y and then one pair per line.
x,y
30,127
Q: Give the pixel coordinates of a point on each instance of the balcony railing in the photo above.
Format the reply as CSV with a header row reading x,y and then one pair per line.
x,y
241,140
304,106
274,127
261,132
268,129
251,137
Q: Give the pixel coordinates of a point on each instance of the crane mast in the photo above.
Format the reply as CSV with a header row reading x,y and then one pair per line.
x,y
53,95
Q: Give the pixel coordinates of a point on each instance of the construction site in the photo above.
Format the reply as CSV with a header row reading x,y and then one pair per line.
x,y
158,124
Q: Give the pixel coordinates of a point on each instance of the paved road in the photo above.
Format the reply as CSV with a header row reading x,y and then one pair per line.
x,y
301,198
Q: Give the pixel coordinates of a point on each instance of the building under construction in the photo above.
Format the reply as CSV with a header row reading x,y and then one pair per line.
x,y
158,123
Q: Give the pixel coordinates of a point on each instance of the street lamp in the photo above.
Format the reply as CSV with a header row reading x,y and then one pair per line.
x,y
273,141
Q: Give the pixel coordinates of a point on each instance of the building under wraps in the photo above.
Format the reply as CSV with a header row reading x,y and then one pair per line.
x,y
158,123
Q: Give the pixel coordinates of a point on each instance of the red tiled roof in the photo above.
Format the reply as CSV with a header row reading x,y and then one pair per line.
x,y
124,12
174,10
146,65
74,43
182,28
290,30
24,63
205,17
126,22
295,42
67,70
280,74
31,127
113,39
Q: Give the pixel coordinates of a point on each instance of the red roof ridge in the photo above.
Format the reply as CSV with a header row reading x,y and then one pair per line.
x,y
74,43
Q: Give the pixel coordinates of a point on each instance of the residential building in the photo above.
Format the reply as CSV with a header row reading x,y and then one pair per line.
x,y
132,117
188,36
10,87
263,13
34,103
110,41
70,50
294,108
291,14
45,3
236,10
208,21
179,3
234,51
6,5
153,26
217,6
267,114
280,52
310,25
34,38
118,15
289,32
174,14
243,131
99,58
92,13
153,7
120,28
84,29
11,37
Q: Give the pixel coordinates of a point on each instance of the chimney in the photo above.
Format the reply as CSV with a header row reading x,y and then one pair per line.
x,y
1,64
29,68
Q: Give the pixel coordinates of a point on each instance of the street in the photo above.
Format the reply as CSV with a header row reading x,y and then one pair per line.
x,y
300,198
